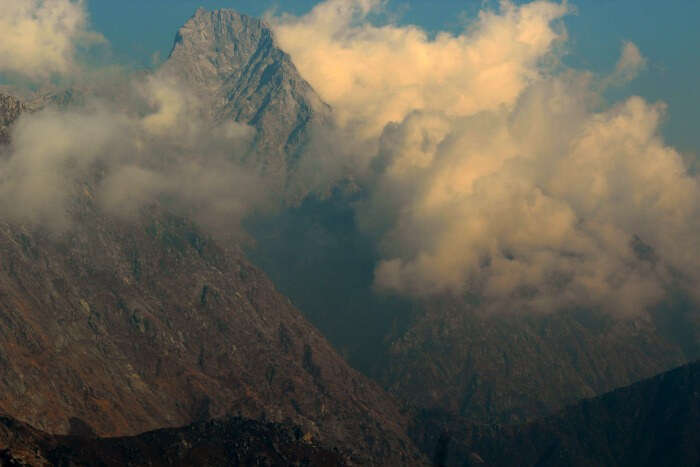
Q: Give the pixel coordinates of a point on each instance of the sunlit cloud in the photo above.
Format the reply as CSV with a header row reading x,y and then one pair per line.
x,y
40,38
498,173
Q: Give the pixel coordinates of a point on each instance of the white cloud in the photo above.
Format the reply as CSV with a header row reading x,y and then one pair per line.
x,y
539,208
373,75
39,38
499,172
492,172
152,144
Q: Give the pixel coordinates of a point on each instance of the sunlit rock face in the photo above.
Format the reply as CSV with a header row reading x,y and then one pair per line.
x,y
234,65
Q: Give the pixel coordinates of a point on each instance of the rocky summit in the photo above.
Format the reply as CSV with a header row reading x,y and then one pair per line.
x,y
234,65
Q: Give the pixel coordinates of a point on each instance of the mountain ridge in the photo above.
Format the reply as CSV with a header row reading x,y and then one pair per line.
x,y
649,423
511,369
231,441
159,313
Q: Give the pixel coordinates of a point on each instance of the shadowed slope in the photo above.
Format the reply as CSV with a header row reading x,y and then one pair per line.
x,y
231,441
651,423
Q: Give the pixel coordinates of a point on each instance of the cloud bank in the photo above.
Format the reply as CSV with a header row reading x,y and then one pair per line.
x,y
40,38
529,213
153,145
500,174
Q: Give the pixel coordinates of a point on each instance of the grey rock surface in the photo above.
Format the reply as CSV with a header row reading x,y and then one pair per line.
x,y
234,65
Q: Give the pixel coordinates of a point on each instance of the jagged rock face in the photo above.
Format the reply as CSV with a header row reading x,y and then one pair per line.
x,y
651,423
232,61
129,326
514,368
231,441
10,109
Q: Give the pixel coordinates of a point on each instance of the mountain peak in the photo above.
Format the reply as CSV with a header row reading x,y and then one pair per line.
x,y
224,37
234,64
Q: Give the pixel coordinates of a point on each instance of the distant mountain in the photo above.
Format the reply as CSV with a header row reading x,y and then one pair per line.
x,y
232,61
128,326
513,368
655,422
232,441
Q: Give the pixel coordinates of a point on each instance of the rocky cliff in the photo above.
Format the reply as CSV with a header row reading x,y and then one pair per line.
x,y
233,63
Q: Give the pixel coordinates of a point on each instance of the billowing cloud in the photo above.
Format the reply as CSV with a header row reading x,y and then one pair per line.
x,y
39,38
499,173
550,205
373,75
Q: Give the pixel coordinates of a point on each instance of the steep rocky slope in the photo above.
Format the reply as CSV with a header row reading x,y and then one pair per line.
x,y
233,63
127,326
651,423
228,442
514,368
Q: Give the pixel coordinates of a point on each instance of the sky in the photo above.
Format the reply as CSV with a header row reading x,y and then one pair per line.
x,y
665,32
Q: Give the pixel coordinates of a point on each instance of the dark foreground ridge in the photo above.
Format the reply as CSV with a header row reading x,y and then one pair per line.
x,y
655,422
228,442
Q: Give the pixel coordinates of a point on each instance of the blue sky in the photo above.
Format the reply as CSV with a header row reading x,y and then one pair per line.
x,y
666,33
